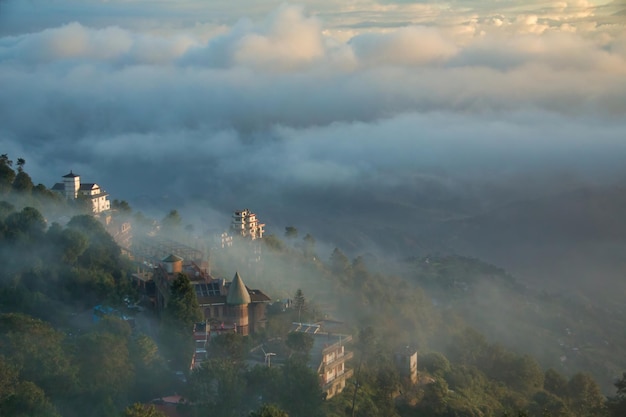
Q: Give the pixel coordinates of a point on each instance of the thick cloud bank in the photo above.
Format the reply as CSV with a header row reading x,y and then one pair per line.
x,y
306,97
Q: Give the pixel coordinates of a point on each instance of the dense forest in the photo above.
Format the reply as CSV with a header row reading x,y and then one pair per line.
x,y
59,262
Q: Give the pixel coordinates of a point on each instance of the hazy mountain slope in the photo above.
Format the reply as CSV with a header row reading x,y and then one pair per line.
x,y
573,241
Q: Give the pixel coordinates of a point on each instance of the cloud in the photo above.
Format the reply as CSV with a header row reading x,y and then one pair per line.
x,y
267,109
286,40
413,45
77,43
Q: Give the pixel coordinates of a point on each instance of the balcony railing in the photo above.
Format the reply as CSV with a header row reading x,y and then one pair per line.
x,y
339,358
338,377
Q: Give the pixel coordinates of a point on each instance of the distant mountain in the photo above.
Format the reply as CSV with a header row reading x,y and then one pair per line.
x,y
575,240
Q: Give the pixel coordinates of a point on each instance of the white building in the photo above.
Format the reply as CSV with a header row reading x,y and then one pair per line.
x,y
72,189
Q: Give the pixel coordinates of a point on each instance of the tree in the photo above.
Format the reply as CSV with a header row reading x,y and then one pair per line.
x,y
585,397
230,345
183,305
27,224
142,410
548,404
617,403
435,395
339,262
23,183
291,232
555,383
218,385
172,220
102,251
7,175
6,208
181,313
28,400
274,243
37,350
299,303
308,246
122,206
301,343
435,364
301,395
106,372
269,410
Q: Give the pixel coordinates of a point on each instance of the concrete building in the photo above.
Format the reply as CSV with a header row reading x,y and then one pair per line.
x,y
73,189
406,363
328,357
245,224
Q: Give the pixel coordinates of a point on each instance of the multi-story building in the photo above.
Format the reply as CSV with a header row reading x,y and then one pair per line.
x,y
73,189
328,358
246,224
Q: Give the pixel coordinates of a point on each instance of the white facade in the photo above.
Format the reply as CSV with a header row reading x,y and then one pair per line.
x,y
72,189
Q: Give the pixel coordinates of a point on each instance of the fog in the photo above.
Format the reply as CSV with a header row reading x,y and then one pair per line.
x,y
344,120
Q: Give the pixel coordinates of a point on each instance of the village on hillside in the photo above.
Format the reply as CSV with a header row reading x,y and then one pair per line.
x,y
227,306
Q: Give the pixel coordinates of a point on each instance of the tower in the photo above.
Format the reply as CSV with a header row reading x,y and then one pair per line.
x,y
71,185
237,301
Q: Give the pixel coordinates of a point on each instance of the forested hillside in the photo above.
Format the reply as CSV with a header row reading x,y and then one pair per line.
x,y
55,361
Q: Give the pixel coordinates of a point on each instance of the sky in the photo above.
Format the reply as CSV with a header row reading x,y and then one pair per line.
x,y
258,103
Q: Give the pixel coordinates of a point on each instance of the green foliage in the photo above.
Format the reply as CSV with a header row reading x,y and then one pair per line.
x,y
106,372
301,395
23,183
25,226
102,251
300,305
269,410
308,246
555,383
142,410
7,175
434,363
274,243
37,351
122,206
28,400
230,346
339,262
291,232
617,403
183,307
172,220
218,385
180,315
300,342
585,397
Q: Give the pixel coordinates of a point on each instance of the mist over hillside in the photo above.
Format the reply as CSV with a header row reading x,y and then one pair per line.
x,y
485,137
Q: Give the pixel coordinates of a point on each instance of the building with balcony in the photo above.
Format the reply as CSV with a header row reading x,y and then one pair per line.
x,y
328,358
245,224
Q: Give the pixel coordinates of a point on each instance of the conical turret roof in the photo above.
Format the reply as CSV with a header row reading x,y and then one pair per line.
x,y
172,258
237,292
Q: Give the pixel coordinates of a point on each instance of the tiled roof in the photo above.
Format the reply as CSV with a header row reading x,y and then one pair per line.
x,y
88,186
